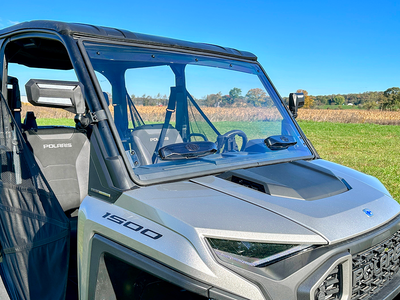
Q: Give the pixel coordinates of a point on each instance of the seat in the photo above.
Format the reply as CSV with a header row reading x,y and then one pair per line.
x,y
63,155
29,121
146,137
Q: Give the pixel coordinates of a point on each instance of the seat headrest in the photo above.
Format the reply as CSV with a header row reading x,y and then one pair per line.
x,y
30,121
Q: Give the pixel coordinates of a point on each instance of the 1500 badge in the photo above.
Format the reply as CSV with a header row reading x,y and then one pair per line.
x,y
132,226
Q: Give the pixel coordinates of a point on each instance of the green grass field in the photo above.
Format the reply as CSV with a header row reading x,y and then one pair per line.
x,y
369,148
55,122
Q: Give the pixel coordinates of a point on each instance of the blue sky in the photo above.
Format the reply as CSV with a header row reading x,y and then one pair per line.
x,y
325,47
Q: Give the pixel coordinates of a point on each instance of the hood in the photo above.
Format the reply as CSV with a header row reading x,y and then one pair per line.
x,y
306,202
334,201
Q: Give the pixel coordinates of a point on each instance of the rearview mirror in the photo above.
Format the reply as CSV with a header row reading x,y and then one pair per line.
x,y
296,101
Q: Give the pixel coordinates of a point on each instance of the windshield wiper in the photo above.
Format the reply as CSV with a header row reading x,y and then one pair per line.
x,y
187,150
279,142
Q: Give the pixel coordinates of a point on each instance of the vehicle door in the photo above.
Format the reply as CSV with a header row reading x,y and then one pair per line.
x,y
34,230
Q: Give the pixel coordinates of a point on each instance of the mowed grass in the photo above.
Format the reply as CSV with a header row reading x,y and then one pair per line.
x,y
56,122
369,148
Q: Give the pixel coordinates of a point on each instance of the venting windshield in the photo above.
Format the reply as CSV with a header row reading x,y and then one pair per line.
x,y
160,98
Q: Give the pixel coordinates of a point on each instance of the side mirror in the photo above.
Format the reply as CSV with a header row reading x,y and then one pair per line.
x,y
55,93
296,101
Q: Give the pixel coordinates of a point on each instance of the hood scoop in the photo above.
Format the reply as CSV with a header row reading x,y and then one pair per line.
x,y
300,180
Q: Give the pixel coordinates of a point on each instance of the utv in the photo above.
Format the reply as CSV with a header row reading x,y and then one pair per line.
x,y
208,190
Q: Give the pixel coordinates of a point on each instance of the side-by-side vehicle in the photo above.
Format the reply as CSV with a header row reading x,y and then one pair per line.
x,y
142,167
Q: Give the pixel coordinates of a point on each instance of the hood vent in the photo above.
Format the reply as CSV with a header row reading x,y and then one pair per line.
x,y
299,180
247,183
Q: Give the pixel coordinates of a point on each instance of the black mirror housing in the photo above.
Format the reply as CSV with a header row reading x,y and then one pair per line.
x,y
296,101
55,93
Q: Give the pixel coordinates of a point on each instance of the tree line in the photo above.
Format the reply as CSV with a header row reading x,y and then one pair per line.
x,y
387,100
254,97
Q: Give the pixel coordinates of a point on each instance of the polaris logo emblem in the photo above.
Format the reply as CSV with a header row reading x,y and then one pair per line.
x,y
368,212
55,146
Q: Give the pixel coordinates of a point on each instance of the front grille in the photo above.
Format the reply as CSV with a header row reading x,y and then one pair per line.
x,y
375,267
329,289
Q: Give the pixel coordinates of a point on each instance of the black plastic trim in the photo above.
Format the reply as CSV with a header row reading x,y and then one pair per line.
x,y
100,182
86,30
101,245
3,71
215,293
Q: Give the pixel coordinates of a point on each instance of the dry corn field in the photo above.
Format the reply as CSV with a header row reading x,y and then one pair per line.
x,y
46,112
350,116
217,114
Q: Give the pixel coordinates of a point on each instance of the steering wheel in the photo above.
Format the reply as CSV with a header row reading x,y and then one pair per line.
x,y
227,141
199,135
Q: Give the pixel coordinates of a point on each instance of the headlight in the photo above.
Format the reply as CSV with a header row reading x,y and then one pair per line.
x,y
251,253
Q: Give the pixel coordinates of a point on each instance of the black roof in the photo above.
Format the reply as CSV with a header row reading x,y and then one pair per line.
x,y
76,29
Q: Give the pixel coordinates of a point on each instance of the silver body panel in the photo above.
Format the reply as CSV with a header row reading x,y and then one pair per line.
x,y
335,218
187,212
173,249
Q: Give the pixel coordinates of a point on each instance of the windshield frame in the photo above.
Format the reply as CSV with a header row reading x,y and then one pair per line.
x,y
167,173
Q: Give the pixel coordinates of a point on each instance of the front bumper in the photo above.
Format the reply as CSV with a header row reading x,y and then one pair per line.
x,y
363,268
